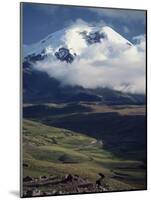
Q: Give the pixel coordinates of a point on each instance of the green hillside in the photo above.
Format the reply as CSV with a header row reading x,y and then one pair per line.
x,y
55,151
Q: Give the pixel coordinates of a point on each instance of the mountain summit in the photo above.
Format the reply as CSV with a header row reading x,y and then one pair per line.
x,y
69,43
93,53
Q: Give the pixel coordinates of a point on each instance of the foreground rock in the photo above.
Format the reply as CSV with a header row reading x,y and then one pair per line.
x,y
68,184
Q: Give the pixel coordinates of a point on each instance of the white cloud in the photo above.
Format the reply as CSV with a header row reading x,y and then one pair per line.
x,y
140,42
120,67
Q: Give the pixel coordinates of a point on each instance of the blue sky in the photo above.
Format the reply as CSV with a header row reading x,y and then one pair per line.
x,y
39,20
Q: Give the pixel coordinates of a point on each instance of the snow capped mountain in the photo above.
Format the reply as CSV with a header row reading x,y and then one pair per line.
x,y
70,42
90,57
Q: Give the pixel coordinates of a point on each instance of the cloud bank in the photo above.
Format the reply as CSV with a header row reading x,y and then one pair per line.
x,y
106,64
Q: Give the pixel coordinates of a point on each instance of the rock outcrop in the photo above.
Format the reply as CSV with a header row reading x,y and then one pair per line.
x,y
68,184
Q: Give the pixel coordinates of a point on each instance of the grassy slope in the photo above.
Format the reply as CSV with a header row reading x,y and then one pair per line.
x,y
54,151
122,128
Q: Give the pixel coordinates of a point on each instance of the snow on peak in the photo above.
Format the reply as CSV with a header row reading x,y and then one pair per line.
x,y
114,37
76,39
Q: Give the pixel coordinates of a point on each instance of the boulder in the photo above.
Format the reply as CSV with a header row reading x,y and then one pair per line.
x,y
27,178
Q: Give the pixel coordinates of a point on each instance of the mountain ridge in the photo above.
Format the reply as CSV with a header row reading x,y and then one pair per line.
x,y
54,41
